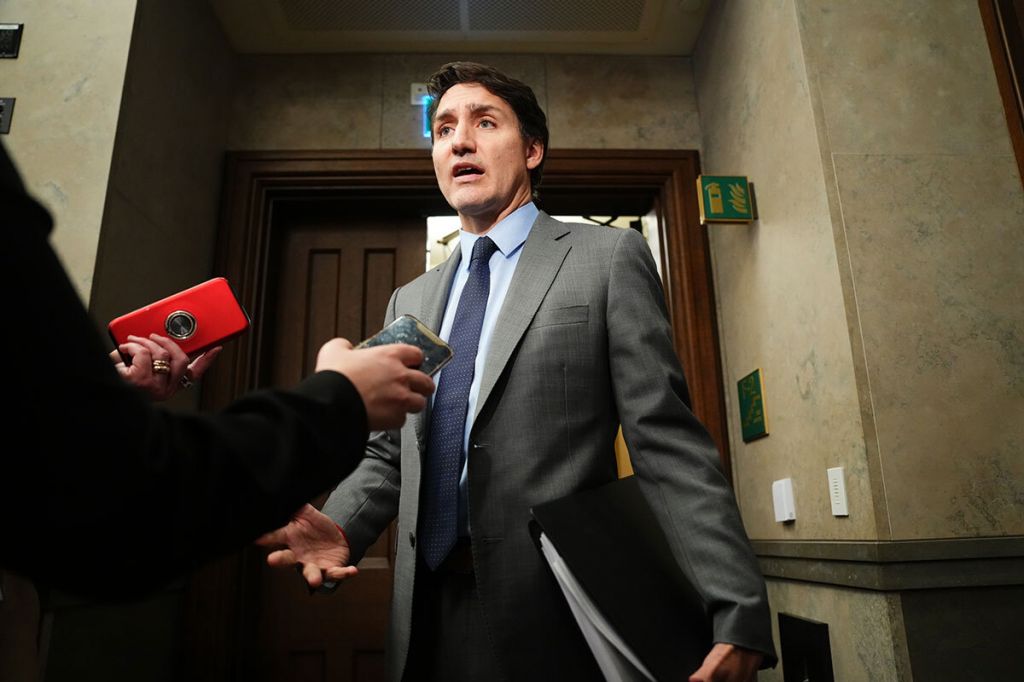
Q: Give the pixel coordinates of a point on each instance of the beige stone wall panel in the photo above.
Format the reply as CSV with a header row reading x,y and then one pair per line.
x,y
780,304
866,629
68,81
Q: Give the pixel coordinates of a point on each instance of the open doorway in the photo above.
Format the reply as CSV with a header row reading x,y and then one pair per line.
x,y
314,243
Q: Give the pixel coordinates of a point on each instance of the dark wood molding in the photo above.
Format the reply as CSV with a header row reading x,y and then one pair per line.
x,y
256,181
1004,28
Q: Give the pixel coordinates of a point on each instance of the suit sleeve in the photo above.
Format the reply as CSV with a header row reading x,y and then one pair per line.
x,y
675,458
100,492
367,500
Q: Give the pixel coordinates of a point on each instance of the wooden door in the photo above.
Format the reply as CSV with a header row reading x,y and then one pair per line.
x,y
333,277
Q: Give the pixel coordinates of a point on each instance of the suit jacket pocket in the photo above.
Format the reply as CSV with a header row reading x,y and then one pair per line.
x,y
573,314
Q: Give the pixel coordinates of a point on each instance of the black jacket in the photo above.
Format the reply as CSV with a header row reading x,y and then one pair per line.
x,y
102,492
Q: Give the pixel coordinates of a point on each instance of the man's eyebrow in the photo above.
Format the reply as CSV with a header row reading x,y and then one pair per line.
x,y
474,108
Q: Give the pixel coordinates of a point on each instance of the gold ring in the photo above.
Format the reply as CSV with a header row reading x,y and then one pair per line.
x,y
161,367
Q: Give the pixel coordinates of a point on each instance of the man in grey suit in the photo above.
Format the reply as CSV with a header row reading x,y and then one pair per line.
x,y
562,334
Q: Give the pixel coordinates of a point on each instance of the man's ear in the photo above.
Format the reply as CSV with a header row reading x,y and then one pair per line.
x,y
534,153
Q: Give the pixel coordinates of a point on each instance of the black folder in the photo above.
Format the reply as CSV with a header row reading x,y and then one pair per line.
x,y
614,546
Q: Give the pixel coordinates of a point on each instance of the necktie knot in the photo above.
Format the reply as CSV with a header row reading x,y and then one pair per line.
x,y
483,248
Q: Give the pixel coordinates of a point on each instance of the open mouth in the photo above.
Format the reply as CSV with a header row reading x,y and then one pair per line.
x,y
464,169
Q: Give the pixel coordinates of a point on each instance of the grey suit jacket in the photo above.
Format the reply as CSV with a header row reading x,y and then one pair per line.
x,y
582,344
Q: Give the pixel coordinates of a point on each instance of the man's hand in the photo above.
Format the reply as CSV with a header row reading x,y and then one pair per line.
x,y
385,377
728,663
312,540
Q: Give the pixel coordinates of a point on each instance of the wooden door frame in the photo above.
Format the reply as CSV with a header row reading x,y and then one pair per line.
x,y
254,181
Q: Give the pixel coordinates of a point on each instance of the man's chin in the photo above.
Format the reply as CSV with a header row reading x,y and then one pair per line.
x,y
472,206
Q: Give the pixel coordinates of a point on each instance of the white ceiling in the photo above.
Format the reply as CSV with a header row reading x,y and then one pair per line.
x,y
647,27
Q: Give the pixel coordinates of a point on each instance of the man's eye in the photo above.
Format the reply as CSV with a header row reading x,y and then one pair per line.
x,y
486,124
443,130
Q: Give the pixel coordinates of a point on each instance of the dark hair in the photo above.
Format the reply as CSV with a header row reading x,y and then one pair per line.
x,y
533,124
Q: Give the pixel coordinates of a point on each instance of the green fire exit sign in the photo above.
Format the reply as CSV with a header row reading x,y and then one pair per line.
x,y
724,199
753,420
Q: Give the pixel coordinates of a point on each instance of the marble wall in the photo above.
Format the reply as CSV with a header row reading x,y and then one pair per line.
x,y
879,289
68,80
362,101
928,204
163,198
780,299
865,629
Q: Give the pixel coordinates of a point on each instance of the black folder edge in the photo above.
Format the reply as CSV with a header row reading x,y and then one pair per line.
x,y
614,546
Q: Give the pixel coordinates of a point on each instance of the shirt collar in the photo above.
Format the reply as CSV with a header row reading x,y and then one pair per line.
x,y
508,235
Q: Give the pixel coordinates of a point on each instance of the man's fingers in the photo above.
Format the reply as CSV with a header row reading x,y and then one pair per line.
x,y
281,557
273,538
313,575
337,573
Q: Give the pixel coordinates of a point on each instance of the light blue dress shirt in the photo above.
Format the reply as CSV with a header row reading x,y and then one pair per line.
x,y
509,235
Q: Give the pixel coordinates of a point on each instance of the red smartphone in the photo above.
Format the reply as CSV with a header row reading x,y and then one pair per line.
x,y
197,319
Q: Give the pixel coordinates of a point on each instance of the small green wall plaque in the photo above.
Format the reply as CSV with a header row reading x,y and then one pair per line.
x,y
724,199
753,420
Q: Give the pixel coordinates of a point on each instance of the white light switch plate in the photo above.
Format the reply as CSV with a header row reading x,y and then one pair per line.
x,y
782,496
837,491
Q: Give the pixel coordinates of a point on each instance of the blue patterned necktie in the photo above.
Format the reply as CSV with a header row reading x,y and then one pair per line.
x,y
448,416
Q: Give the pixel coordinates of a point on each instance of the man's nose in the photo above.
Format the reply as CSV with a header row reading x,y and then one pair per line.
x,y
462,140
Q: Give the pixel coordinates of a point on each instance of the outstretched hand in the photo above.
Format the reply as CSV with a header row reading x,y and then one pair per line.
x,y
728,663
312,541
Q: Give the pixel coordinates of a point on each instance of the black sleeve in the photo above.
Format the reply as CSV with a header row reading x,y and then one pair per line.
x,y
100,491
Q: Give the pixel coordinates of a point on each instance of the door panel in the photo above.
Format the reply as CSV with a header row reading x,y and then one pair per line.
x,y
334,277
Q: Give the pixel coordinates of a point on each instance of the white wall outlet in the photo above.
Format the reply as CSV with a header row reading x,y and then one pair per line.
x,y
837,491
782,496
417,91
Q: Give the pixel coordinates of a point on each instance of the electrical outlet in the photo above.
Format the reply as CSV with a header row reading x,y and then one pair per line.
x,y
837,491
782,498
6,112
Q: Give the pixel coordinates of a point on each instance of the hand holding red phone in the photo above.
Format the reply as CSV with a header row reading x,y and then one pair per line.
x,y
159,366
199,319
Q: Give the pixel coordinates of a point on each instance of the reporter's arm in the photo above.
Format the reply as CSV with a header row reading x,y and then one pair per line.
x,y
101,492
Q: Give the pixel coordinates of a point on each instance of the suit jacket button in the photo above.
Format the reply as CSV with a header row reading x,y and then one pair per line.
x,y
412,539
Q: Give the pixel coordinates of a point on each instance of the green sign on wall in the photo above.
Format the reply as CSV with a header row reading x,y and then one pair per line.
x,y
753,420
724,199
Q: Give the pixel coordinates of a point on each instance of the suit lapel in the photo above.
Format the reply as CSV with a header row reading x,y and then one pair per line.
x,y
543,255
431,313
